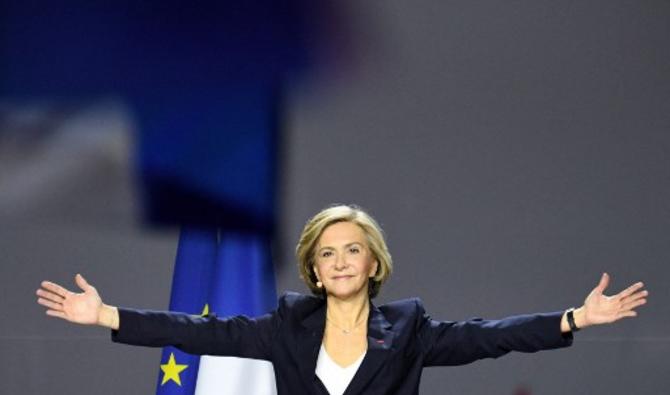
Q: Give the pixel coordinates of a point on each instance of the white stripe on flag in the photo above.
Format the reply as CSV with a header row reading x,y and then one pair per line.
x,y
235,376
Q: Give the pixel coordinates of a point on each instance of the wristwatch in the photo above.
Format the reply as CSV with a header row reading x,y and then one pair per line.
x,y
571,320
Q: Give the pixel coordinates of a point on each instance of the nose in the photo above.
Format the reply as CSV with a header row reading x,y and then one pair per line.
x,y
340,262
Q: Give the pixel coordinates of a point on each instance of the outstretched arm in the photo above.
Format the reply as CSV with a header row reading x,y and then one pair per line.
x,y
599,308
82,308
239,336
457,343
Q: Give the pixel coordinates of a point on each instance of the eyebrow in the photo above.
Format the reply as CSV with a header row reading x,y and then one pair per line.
x,y
345,246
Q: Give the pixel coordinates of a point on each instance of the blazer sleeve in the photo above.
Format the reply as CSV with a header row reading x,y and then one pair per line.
x,y
462,342
238,336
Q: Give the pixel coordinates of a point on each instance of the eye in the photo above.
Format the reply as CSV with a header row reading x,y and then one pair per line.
x,y
326,254
354,250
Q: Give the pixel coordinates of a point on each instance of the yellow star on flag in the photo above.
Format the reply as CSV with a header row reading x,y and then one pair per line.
x,y
171,371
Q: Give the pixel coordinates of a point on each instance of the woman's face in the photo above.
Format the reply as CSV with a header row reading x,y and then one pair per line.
x,y
344,263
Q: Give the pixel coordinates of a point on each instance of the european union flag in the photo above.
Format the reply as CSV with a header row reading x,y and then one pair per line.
x,y
194,264
226,274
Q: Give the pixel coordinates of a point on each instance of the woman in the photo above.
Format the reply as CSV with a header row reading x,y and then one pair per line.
x,y
338,340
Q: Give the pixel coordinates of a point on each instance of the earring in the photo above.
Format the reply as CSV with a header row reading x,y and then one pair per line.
x,y
319,284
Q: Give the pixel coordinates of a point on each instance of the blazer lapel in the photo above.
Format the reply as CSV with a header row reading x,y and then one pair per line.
x,y
308,344
380,342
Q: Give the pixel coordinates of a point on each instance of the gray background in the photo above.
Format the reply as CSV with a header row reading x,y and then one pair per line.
x,y
512,151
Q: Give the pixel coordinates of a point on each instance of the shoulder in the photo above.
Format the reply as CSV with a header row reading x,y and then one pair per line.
x,y
293,303
403,309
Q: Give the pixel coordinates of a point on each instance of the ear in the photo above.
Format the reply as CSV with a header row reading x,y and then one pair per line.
x,y
316,273
373,268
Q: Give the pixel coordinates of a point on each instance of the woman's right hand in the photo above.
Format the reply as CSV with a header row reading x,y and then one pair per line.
x,y
81,308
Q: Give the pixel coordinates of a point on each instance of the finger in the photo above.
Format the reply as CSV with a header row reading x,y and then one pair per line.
x,y
51,305
632,305
55,288
58,314
604,282
82,283
626,314
628,291
635,296
50,296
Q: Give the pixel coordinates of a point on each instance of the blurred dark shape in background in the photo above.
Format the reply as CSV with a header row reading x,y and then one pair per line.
x,y
522,390
203,80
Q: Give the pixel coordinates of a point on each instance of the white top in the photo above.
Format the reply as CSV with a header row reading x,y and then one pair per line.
x,y
335,378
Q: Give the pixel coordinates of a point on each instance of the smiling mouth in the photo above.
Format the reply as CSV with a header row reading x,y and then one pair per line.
x,y
341,277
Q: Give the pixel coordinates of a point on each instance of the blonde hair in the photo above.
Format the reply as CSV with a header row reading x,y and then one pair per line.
x,y
305,250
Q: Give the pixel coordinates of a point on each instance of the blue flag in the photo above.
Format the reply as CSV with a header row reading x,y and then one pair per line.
x,y
226,274
194,264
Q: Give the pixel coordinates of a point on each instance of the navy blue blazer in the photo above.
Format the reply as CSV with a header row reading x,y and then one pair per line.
x,y
402,340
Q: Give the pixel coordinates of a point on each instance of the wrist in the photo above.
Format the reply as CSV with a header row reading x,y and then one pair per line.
x,y
579,315
108,316
578,319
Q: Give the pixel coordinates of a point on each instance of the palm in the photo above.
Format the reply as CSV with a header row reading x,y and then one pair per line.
x,y
81,308
602,309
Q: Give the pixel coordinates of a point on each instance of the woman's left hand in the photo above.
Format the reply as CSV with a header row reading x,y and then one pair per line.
x,y
602,309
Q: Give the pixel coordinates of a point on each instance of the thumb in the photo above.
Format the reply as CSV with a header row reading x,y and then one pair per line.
x,y
82,283
604,282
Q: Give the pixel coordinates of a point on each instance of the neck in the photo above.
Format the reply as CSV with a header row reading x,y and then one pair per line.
x,y
347,313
